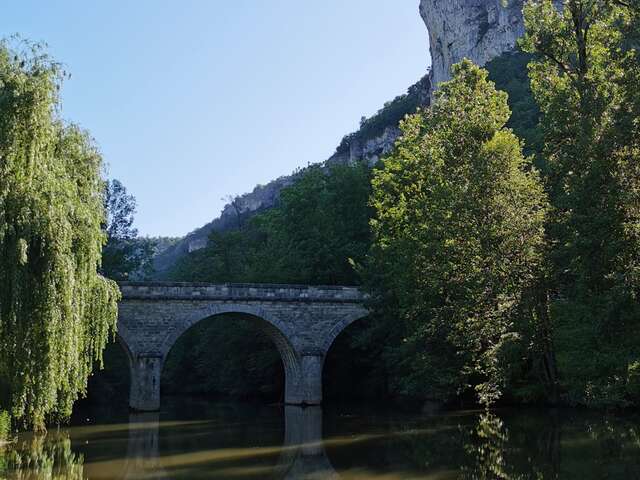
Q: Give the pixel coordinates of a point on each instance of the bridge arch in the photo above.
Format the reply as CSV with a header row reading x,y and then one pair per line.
x,y
267,323
340,326
275,328
122,335
350,371
109,382
121,339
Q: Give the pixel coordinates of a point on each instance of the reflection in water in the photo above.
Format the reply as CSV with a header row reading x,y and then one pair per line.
x,y
41,457
524,444
303,455
142,448
489,450
207,440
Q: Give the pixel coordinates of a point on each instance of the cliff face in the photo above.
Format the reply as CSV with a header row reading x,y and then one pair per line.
x,y
475,29
377,135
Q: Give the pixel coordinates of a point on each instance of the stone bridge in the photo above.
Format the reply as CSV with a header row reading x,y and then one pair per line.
x,y
302,321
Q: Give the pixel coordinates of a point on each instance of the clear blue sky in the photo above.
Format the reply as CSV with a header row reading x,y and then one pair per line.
x,y
194,100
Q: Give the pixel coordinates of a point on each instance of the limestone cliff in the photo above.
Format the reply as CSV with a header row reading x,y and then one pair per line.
x,y
475,29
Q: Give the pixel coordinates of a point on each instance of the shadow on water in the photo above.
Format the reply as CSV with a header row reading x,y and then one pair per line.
x,y
198,439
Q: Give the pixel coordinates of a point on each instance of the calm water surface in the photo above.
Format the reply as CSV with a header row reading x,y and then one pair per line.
x,y
193,439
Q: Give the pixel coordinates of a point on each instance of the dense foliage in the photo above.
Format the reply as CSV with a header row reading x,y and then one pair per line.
x,y
585,78
509,72
56,312
458,239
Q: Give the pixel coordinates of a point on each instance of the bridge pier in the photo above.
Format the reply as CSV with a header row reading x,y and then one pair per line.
x,y
311,384
303,381
144,395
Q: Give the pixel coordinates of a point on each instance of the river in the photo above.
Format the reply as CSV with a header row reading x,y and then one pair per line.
x,y
197,439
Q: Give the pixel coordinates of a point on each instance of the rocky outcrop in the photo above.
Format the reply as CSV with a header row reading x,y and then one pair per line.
x,y
262,197
377,135
475,29
367,150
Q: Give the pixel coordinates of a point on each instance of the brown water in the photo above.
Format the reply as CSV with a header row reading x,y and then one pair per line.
x,y
193,439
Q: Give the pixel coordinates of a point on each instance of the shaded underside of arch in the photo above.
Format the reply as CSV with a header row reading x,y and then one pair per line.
x,y
346,320
263,321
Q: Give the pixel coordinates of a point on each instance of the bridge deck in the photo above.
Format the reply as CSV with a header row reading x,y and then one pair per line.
x,y
239,291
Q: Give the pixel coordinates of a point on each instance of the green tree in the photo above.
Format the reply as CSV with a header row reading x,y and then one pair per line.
x,y
125,254
458,238
56,312
585,78
319,229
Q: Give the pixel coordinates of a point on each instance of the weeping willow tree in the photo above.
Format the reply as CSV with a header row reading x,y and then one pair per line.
x,y
56,312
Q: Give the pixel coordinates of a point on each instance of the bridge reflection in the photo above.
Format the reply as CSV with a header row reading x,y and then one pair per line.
x,y
302,455
143,447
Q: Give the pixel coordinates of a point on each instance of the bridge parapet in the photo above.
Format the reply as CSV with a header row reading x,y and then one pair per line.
x,y
239,291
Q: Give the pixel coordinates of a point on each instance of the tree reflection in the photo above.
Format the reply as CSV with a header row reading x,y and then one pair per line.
x,y
554,445
38,457
488,451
